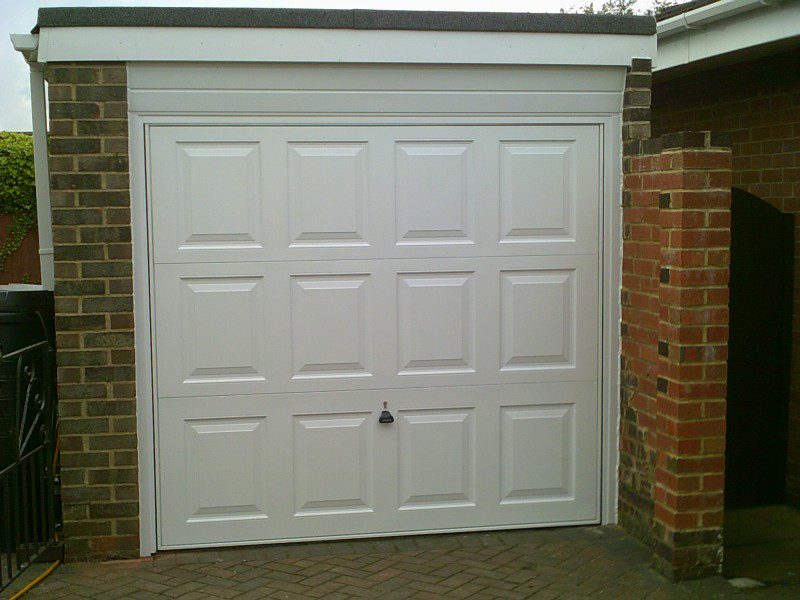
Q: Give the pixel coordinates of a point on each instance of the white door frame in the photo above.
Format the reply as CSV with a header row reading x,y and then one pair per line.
x,y
610,268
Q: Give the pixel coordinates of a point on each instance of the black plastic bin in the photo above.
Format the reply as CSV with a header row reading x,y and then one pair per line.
x,y
27,316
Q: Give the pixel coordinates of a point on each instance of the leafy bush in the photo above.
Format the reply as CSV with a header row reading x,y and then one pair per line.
x,y
621,7
17,190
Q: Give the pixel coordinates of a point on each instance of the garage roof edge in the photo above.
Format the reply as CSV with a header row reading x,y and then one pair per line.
x,y
344,19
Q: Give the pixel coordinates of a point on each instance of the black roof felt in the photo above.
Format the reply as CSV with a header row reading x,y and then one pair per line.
x,y
343,19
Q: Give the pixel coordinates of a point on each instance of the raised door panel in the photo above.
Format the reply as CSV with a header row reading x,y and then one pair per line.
x,y
547,189
333,464
219,196
224,479
214,480
207,194
538,452
222,329
212,329
535,454
436,458
537,319
432,193
547,452
538,195
436,322
331,331
328,193
543,319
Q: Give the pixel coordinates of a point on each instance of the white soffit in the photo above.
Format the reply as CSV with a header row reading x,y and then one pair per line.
x,y
197,44
724,27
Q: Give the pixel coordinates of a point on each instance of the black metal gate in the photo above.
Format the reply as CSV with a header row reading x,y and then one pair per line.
x,y
29,508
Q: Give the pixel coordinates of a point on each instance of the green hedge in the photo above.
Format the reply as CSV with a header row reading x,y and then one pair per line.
x,y
17,190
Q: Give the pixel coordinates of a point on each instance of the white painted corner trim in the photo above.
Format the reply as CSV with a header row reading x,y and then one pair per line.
x,y
61,44
724,27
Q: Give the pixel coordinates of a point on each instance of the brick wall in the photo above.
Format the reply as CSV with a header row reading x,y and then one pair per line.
x,y
676,242
758,103
676,251
94,308
637,368
674,298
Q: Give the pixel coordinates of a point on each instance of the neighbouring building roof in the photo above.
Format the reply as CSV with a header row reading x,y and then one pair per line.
x,y
343,19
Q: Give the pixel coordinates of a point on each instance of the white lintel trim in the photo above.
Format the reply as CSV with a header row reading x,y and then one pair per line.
x,y
193,44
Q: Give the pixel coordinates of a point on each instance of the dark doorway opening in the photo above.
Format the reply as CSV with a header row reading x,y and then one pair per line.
x,y
762,537
759,360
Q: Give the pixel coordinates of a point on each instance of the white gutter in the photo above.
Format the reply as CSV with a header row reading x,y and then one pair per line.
x,y
724,28
27,45
699,17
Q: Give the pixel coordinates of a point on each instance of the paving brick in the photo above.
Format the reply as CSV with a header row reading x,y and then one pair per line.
x,y
585,562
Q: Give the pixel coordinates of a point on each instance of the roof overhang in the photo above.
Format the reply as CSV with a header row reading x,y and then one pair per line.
x,y
353,36
725,28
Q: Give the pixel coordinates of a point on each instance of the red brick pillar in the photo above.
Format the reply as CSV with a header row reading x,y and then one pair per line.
x,y
694,219
674,334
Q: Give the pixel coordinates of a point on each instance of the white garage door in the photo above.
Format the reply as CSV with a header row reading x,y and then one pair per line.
x,y
306,276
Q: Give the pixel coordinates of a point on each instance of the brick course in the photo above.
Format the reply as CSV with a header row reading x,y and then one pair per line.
x,y
94,308
758,103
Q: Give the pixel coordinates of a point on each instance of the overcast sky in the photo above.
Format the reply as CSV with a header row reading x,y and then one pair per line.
x,y
19,16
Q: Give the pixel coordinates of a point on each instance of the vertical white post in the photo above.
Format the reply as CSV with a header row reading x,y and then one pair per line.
x,y
39,118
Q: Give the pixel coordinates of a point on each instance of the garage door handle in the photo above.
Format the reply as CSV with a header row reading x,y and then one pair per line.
x,y
386,416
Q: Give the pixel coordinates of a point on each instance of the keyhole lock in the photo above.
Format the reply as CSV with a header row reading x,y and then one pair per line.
x,y
386,416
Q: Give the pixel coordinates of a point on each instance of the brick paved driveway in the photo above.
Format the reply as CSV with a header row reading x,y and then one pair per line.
x,y
586,562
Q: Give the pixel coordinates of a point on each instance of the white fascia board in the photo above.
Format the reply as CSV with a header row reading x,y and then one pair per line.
x,y
726,32
132,44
